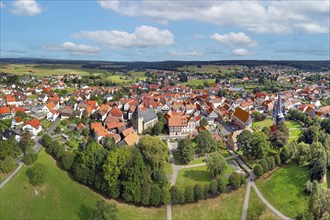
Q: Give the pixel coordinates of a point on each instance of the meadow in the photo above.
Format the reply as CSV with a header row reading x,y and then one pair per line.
x,y
224,206
257,209
284,189
59,197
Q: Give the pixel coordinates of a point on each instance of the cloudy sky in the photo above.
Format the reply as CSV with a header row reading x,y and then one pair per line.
x,y
165,30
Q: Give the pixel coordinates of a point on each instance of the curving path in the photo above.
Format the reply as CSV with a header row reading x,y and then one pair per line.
x,y
274,210
250,181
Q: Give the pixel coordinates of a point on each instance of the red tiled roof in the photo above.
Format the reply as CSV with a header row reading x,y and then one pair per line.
x,y
50,105
115,111
10,99
96,125
241,114
131,139
18,109
127,131
4,110
34,123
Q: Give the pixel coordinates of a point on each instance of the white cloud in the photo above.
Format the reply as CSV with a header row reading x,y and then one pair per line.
x,y
26,8
143,36
280,17
74,48
241,52
2,5
235,39
193,53
198,36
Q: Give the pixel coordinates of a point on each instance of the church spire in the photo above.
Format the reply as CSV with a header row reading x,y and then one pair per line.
x,y
278,113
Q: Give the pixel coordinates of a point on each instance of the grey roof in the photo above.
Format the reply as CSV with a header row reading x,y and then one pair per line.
x,y
148,115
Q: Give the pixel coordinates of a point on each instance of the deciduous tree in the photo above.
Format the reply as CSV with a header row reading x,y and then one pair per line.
x,y
216,164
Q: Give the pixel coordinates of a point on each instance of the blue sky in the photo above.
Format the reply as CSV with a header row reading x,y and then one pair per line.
x,y
165,30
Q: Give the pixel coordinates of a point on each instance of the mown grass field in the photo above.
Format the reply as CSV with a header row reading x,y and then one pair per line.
x,y
284,189
139,75
45,69
215,69
198,82
225,206
192,176
257,209
293,126
59,198
118,79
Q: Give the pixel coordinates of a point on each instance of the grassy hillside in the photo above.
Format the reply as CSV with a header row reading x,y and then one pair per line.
x,y
59,198
225,206
284,189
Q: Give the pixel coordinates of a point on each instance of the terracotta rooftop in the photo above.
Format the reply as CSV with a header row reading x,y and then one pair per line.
x,y
4,110
131,139
241,114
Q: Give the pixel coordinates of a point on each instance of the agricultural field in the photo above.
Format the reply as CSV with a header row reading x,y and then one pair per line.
x,y
45,69
284,189
215,69
225,206
198,82
119,79
140,75
257,209
59,197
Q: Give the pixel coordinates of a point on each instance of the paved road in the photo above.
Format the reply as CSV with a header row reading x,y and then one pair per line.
x,y
53,126
20,164
246,201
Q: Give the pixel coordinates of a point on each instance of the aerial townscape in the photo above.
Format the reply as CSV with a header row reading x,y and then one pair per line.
x,y
188,135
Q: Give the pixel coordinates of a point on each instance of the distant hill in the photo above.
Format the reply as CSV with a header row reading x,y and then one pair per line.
x,y
322,65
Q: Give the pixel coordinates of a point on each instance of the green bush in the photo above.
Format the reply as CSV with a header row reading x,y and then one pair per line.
x,y
37,174
258,170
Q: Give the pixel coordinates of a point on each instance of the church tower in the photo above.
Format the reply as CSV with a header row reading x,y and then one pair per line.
x,y
278,112
137,120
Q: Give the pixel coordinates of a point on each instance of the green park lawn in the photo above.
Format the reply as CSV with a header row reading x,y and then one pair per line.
x,y
258,125
198,82
293,126
192,176
284,189
225,206
257,209
59,198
